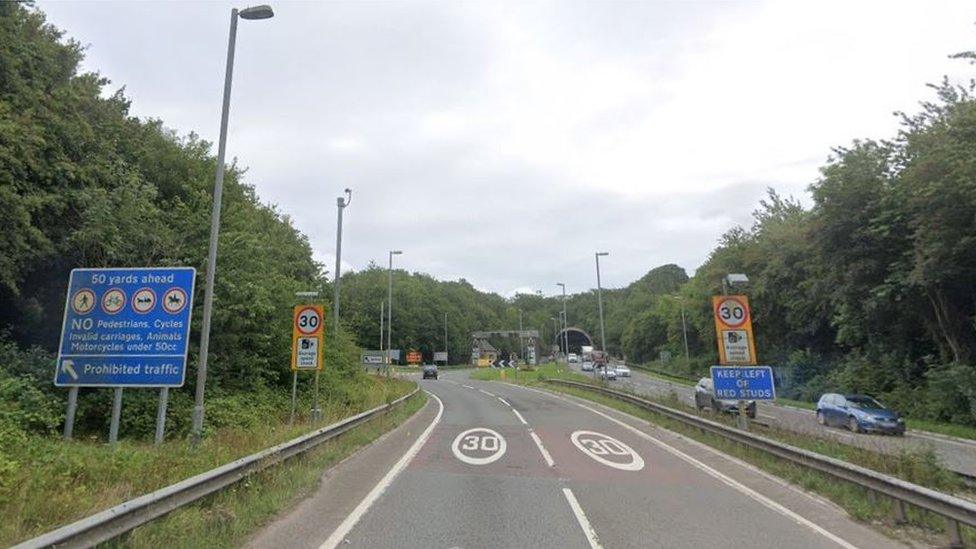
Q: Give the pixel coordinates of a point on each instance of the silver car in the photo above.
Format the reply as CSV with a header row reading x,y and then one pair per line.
x,y
622,370
608,372
587,366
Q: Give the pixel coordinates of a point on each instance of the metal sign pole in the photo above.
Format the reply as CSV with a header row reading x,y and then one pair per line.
x,y
316,412
161,415
113,429
294,395
69,420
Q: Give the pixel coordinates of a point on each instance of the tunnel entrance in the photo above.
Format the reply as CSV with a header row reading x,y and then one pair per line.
x,y
577,339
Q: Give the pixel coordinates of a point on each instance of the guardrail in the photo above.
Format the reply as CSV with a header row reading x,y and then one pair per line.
x,y
955,510
115,521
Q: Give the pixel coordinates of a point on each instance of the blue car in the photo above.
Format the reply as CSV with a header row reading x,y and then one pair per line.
x,y
859,413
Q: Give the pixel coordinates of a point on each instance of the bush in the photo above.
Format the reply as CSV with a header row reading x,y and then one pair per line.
x,y
25,407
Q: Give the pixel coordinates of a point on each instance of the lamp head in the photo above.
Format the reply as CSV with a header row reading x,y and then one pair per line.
x,y
263,11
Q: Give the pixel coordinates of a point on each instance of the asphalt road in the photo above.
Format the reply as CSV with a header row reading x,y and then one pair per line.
x,y
493,465
956,454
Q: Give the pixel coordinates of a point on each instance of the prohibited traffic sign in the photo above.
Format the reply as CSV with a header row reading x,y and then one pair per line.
x,y
113,301
143,300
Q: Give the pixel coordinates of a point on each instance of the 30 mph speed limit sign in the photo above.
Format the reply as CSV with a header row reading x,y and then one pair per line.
x,y
733,330
306,338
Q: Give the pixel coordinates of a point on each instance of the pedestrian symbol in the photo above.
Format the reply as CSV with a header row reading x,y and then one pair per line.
x,y
174,300
83,301
113,301
143,300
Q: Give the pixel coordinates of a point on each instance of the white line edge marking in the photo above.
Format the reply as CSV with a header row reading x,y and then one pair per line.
x,y
581,519
542,449
518,415
487,393
505,402
340,533
720,476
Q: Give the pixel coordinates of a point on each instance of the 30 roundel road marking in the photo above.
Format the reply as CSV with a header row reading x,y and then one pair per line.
x,y
607,450
479,446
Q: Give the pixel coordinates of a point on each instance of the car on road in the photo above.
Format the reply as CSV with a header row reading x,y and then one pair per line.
x,y
705,398
608,373
430,371
572,358
859,413
622,370
587,366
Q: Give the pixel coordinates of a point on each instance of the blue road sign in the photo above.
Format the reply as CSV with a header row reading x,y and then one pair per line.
x,y
743,382
126,327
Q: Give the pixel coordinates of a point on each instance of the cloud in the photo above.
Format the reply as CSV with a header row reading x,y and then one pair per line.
x,y
507,142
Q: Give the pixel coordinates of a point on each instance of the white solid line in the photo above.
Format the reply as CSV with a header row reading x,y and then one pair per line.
x,y
522,419
542,449
467,387
725,479
486,392
347,525
505,402
581,519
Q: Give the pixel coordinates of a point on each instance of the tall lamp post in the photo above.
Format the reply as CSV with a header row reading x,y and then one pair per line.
x,y
684,329
341,203
555,328
599,298
252,13
565,322
389,311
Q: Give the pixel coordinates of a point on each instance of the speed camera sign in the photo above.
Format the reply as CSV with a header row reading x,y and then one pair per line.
x,y
733,330
306,338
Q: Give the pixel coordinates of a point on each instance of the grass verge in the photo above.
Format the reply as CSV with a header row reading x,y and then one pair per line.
x,y
54,482
228,518
921,468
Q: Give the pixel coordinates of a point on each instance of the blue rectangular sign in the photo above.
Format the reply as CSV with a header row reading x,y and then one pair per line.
x,y
126,327
743,383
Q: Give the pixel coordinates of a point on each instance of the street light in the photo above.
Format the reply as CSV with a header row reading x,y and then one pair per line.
x,y
252,13
599,298
684,329
565,322
555,328
389,310
341,203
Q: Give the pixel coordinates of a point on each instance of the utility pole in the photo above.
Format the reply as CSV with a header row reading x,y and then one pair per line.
x,y
253,13
341,203
389,312
382,306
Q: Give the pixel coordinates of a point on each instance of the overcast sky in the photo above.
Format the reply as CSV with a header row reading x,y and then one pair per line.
x,y
506,142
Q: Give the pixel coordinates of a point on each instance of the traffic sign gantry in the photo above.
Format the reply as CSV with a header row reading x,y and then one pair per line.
x,y
115,334
733,329
306,340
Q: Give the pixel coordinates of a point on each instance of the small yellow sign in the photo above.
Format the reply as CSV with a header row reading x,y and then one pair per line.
x,y
307,338
733,330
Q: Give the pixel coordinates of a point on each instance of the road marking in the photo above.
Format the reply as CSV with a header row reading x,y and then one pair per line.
x,y
597,445
505,402
542,449
468,387
581,519
522,419
723,478
486,392
347,525
479,439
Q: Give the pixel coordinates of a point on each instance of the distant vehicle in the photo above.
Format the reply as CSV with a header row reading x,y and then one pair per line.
x,y
587,366
858,413
572,358
622,370
430,370
607,372
705,398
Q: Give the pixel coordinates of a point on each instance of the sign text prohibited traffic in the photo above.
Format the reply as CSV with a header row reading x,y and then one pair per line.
x,y
307,338
733,329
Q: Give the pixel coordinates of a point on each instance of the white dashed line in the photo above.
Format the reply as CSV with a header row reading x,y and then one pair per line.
x,y
468,387
542,449
347,525
581,519
518,415
505,402
486,392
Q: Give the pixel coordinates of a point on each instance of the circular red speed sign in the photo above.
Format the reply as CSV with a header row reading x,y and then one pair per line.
x,y
308,321
732,312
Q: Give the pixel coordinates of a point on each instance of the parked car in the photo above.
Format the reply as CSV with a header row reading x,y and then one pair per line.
x,y
430,370
705,398
572,358
587,366
608,373
858,413
622,370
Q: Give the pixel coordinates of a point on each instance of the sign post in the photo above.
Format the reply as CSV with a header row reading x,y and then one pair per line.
x,y
306,350
736,344
125,328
